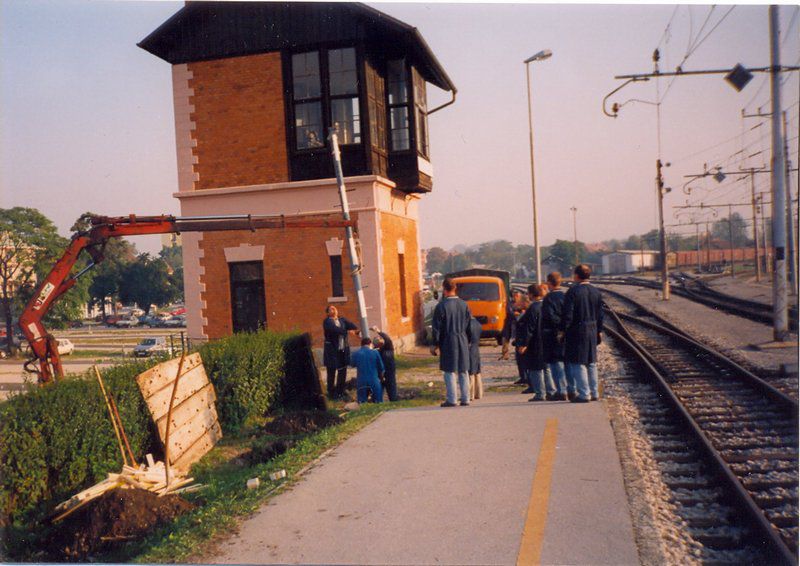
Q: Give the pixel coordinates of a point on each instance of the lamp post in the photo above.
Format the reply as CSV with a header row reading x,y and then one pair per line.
x,y
540,56
575,232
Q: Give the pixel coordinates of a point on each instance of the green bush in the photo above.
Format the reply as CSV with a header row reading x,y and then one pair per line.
x,y
59,439
247,370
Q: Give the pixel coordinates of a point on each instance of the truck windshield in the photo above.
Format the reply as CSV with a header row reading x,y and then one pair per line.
x,y
148,342
478,291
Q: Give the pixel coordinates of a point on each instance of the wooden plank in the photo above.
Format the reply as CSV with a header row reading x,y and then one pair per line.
x,y
161,376
189,384
181,440
193,407
198,449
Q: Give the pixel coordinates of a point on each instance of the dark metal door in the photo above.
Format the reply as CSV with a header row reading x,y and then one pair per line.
x,y
248,305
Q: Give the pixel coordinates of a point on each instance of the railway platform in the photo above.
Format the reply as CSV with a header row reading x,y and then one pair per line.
x,y
503,481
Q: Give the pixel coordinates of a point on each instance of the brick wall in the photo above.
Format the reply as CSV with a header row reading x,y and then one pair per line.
x,y
297,279
394,228
240,128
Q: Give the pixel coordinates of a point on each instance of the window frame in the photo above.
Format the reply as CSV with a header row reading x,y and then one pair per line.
x,y
325,98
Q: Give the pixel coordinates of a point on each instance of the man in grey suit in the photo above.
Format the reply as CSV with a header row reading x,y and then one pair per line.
x,y
451,336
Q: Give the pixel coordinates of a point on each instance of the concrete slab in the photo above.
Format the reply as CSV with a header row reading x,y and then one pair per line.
x,y
451,486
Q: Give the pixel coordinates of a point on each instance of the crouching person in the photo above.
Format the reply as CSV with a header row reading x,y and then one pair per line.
x,y
369,369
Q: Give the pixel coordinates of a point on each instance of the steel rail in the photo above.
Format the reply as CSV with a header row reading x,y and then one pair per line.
x,y
776,548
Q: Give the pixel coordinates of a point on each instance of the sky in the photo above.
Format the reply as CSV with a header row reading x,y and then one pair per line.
x,y
86,118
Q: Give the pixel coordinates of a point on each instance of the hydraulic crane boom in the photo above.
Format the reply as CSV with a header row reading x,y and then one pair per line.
x,y
93,241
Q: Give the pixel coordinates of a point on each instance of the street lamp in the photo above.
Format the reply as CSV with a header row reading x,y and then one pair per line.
x,y
540,56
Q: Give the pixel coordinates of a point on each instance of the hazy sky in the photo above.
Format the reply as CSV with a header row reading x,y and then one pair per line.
x,y
86,117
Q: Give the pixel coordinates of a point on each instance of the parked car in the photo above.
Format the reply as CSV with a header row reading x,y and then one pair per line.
x,y
65,347
150,346
175,322
126,322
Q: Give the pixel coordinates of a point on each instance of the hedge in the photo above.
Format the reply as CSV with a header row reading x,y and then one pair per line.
x,y
57,440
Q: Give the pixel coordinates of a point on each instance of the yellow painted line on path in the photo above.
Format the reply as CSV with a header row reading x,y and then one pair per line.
x,y
530,547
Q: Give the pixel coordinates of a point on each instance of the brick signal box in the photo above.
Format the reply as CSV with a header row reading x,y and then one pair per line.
x,y
257,88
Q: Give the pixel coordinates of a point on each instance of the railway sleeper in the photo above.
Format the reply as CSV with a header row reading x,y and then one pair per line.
x,y
762,460
757,465
680,457
687,482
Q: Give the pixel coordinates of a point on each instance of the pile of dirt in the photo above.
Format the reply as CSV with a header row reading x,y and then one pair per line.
x,y
265,451
118,516
302,422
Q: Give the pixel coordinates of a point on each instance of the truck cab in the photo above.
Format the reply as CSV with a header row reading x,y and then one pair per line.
x,y
486,293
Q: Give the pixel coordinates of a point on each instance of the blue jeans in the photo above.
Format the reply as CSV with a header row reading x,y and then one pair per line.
x,y
562,381
363,388
541,382
585,377
450,386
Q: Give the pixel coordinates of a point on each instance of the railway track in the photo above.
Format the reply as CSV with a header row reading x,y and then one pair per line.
x,y
726,441
698,291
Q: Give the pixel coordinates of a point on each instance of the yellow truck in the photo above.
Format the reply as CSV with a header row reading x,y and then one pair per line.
x,y
486,291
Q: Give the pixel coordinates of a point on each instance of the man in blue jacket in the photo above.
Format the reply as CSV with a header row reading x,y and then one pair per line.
x,y
582,324
451,334
552,313
369,369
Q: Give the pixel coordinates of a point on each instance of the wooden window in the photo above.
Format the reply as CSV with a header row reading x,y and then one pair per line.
x,y
397,90
337,283
401,260
421,114
325,92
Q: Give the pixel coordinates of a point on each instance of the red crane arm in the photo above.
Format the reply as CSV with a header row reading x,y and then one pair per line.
x,y
93,240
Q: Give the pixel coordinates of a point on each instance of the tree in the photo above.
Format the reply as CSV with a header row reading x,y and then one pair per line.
x,y
435,260
28,240
146,281
564,251
173,255
721,231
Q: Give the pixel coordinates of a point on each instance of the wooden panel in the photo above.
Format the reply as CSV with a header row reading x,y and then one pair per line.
x,y
198,449
189,384
194,427
162,375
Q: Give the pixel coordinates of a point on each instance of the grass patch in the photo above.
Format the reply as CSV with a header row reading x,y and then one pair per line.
x,y
97,354
415,362
225,499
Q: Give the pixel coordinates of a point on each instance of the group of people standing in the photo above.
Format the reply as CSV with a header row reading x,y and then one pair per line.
x,y
556,339
555,335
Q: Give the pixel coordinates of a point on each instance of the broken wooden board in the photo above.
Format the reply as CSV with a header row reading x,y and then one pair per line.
x,y
194,425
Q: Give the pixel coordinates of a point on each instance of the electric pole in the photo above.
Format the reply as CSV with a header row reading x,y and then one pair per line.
x,y
755,225
791,239
662,237
780,303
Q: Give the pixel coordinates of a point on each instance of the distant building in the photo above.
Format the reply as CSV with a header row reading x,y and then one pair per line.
x,y
628,261
257,88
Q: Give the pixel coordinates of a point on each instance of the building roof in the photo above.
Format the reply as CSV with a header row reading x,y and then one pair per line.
x,y
201,31
634,252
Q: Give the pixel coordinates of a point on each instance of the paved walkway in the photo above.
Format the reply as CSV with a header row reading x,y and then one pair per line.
x,y
500,481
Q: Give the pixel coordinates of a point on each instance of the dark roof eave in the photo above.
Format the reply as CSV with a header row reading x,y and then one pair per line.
x,y
439,76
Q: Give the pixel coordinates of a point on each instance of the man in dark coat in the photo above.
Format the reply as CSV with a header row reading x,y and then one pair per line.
x,y
451,333
552,309
582,324
475,380
336,350
383,343
531,347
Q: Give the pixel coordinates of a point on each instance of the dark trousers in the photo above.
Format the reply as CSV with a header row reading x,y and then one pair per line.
x,y
337,389
390,383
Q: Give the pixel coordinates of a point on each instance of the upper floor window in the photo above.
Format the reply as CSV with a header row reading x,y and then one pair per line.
x,y
421,114
397,88
325,93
